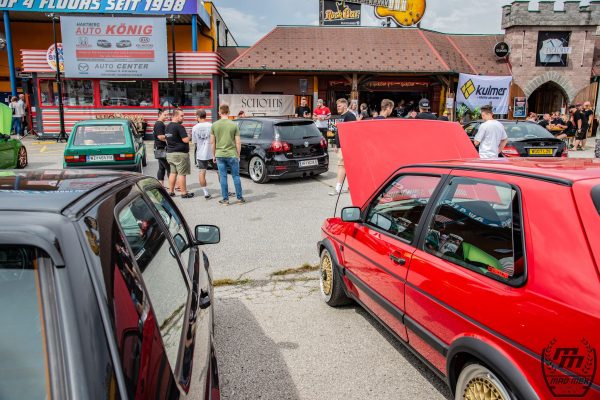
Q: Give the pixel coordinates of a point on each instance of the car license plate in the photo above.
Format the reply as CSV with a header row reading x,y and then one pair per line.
x,y
308,163
541,152
101,158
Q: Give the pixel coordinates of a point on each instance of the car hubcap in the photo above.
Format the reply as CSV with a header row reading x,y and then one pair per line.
x,y
482,388
257,169
22,157
326,275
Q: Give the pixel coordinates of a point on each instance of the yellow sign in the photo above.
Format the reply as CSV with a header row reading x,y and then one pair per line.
x,y
468,89
341,13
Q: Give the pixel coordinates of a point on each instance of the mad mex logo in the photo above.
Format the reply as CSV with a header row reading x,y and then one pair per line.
x,y
579,359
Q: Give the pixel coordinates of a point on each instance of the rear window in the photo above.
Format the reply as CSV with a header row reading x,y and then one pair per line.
x,y
296,130
525,130
99,135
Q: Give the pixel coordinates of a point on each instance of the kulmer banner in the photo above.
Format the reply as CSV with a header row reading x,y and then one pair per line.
x,y
477,91
259,105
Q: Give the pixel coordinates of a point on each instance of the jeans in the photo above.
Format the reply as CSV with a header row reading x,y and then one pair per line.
x,y
234,165
16,125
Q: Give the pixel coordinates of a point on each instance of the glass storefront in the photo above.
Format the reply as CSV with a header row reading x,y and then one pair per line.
x,y
126,94
194,93
75,92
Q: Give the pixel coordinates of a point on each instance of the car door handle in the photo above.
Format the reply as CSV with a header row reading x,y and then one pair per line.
x,y
398,260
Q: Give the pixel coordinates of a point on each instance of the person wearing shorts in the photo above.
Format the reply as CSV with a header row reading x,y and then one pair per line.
x,y
178,154
204,155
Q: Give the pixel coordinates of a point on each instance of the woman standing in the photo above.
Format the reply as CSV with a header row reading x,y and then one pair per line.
x,y
160,145
17,115
364,114
354,108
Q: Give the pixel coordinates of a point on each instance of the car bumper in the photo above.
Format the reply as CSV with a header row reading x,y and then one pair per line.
x,y
281,167
110,167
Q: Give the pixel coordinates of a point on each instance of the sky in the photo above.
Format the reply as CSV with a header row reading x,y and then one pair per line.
x,y
250,20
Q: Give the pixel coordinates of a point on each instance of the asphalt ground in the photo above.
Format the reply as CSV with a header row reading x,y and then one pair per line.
x,y
275,337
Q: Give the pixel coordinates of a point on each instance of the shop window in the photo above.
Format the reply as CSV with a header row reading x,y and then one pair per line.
x,y
126,94
189,93
75,92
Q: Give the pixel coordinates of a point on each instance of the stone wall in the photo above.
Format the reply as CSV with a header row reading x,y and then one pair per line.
x,y
518,14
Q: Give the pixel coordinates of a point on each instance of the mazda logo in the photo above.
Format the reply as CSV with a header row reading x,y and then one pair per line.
x,y
144,39
83,67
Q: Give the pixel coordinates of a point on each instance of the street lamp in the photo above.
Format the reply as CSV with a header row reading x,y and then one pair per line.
x,y
175,99
63,134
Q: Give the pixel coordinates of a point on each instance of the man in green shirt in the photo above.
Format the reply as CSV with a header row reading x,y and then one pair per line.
x,y
226,146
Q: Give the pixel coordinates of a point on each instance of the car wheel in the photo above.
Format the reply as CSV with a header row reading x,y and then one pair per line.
x,y
22,158
597,150
258,170
331,282
478,382
144,159
140,168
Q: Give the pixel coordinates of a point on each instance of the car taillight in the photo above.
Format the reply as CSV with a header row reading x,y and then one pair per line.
x,y
510,152
74,159
323,143
124,157
565,152
277,146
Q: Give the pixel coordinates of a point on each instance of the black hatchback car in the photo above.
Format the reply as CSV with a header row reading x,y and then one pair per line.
x,y
281,148
104,292
525,139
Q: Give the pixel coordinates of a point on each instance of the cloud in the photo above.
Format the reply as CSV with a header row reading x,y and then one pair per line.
x,y
244,28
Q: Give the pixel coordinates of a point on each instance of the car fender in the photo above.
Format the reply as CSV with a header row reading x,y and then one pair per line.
x,y
334,251
258,151
494,359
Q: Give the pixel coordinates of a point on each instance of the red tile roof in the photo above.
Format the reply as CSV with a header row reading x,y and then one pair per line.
x,y
230,53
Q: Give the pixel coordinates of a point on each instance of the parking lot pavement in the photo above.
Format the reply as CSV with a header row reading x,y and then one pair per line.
x,y
279,340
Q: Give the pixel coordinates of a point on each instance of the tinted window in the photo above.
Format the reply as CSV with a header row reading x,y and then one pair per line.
x,y
75,92
250,129
596,197
126,93
525,130
293,130
471,129
22,349
99,135
399,207
477,225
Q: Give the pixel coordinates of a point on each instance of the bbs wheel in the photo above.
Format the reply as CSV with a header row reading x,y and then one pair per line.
x,y
331,282
478,382
258,170
22,158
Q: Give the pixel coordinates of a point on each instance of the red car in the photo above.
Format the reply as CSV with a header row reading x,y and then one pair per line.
x,y
486,269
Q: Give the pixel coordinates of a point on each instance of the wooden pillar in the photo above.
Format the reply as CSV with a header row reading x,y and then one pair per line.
x,y
253,81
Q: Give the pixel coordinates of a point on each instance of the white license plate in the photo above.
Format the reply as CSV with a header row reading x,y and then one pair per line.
x,y
309,163
101,158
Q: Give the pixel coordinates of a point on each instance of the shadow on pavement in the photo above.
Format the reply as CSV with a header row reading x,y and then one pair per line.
x,y
253,365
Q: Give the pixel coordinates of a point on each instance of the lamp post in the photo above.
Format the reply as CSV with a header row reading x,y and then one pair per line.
x,y
63,134
175,94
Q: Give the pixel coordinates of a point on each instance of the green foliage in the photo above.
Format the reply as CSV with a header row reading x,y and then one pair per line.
x,y
462,111
477,113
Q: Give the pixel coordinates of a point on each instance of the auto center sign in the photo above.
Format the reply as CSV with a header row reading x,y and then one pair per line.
x,y
104,6
130,48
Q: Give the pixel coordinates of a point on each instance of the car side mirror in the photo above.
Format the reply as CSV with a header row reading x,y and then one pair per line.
x,y
207,234
6,137
351,214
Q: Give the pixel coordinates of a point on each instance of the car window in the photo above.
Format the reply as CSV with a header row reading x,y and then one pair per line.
x,y
525,130
398,209
161,272
477,225
23,359
248,129
296,130
471,129
99,135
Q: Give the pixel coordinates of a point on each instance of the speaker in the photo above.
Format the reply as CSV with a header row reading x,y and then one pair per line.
x,y
303,85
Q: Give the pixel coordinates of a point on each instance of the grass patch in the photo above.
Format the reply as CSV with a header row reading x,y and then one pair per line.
x,y
229,282
306,267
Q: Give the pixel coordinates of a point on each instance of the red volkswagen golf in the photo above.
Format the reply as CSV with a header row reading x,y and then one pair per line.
x,y
486,269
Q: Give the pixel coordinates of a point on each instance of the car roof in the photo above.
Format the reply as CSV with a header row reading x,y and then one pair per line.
x,y
275,120
108,121
51,190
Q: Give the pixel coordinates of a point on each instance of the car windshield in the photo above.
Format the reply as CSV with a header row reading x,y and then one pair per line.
x,y
99,135
525,130
296,130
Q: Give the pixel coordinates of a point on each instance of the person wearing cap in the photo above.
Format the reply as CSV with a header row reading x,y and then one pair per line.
x,y
424,113
321,115
444,117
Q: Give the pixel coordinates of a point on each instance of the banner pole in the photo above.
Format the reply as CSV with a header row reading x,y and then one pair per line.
x,y
62,134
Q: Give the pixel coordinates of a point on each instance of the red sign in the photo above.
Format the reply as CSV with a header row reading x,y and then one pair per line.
x,y
111,54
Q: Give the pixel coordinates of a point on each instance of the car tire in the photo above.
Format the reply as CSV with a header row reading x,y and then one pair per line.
x,y
140,168
22,158
330,282
597,149
477,381
258,170
144,159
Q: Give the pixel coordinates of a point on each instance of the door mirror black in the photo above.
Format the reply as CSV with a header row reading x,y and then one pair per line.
x,y
6,137
351,214
207,234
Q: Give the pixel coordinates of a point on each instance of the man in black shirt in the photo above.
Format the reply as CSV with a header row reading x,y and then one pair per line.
x,y
303,111
345,116
444,117
581,127
545,123
387,106
178,154
424,113
588,112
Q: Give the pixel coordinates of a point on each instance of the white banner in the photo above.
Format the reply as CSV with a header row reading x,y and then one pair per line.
x,y
477,91
103,47
259,105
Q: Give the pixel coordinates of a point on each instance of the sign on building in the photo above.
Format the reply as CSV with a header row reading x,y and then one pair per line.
x,y
341,13
259,105
520,107
477,91
128,48
103,6
552,49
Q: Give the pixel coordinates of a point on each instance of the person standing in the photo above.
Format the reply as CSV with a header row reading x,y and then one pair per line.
x,y
387,107
17,115
345,116
444,117
364,113
424,113
588,113
353,108
303,111
204,154
226,147
321,115
160,145
581,128
491,137
25,111
178,154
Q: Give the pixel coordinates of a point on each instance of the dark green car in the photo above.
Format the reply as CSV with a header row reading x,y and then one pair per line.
x,y
12,153
105,144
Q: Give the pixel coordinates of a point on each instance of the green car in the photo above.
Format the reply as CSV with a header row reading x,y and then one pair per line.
x,y
12,153
105,144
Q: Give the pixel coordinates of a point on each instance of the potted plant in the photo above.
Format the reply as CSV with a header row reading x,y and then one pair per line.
x,y
460,113
477,113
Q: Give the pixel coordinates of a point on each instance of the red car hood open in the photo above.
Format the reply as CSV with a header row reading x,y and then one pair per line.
x,y
373,150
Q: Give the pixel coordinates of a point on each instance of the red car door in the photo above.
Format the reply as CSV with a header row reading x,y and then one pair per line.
x,y
378,252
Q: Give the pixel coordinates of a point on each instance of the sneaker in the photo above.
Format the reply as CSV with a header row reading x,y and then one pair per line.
x,y
172,194
208,197
570,147
242,201
223,202
187,196
231,194
334,193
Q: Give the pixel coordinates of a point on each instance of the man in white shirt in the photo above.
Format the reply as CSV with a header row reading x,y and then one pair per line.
x,y
201,136
491,137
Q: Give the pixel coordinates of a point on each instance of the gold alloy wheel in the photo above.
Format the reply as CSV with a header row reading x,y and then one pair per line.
x,y
326,275
482,388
